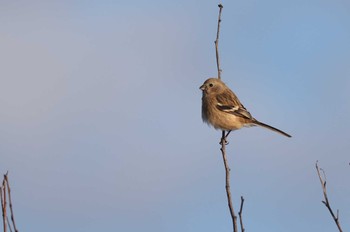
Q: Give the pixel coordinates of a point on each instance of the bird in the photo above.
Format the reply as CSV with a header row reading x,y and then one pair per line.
x,y
222,109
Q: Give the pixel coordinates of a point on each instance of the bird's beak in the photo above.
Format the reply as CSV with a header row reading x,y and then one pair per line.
x,y
202,87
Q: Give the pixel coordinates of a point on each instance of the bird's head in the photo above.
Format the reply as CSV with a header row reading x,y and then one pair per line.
x,y
212,85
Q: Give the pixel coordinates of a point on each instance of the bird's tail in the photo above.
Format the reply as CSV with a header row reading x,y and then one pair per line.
x,y
271,128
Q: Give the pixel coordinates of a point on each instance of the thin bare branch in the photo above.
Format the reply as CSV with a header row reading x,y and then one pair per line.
x,y
8,223
3,205
223,140
223,143
10,201
240,214
217,42
326,202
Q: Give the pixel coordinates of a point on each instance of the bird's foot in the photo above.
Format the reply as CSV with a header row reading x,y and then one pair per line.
x,y
224,138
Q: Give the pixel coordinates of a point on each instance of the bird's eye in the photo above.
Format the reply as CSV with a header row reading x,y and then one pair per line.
x,y
211,85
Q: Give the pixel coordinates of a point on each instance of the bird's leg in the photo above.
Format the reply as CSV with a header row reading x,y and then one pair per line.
x,y
224,137
228,132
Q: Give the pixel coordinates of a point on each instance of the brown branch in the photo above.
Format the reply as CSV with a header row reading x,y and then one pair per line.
x,y
240,215
3,204
326,202
10,201
8,223
223,140
217,42
223,143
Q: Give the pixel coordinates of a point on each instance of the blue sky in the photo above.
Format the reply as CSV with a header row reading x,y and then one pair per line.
x,y
100,114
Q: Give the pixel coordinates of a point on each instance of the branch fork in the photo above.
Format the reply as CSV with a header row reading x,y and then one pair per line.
x,y
323,181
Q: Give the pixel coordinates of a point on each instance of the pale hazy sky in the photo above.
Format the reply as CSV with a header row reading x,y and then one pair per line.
x,y
100,114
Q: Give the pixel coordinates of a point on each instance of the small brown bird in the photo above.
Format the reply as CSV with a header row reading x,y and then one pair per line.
x,y
222,109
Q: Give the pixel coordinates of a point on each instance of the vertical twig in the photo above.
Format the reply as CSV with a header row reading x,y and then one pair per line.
x,y
326,202
223,140
217,42
10,201
227,171
3,204
240,214
8,223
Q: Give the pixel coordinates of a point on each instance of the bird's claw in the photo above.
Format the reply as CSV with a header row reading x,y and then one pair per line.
x,y
224,140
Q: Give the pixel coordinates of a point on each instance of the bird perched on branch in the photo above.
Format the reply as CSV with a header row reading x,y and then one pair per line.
x,y
222,109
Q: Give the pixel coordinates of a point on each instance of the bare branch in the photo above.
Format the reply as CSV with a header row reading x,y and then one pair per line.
x,y
223,140
10,201
8,223
217,42
326,202
240,214
3,205
223,143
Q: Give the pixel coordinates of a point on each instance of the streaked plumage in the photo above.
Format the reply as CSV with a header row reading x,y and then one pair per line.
x,y
222,109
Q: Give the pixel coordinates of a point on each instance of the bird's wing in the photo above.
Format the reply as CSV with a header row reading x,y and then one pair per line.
x,y
229,103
